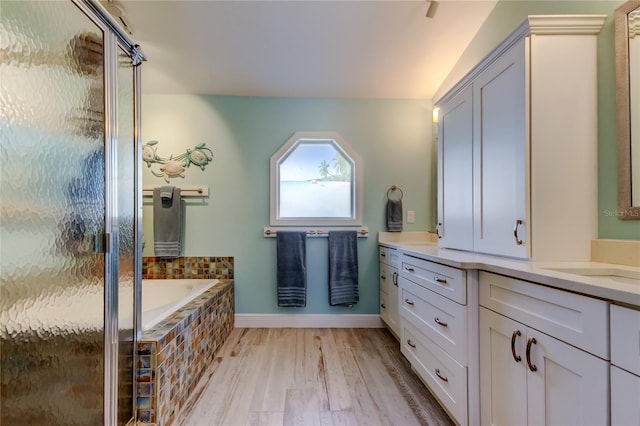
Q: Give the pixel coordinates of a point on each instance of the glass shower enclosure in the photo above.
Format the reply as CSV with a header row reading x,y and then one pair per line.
x,y
69,215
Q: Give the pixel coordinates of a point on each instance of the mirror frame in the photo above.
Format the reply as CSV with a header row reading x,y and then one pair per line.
x,y
626,210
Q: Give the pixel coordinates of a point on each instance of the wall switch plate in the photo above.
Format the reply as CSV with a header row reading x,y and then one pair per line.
x,y
411,216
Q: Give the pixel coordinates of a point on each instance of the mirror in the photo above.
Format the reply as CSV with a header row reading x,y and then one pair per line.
x,y
627,43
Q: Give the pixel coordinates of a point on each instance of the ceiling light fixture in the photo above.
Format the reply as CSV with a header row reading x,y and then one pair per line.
x,y
431,9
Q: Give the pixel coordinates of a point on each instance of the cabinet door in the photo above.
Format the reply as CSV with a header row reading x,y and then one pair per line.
x,y
455,185
503,380
389,297
500,141
568,387
394,307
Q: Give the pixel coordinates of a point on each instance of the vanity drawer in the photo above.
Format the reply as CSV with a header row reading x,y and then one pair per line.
x,y
440,319
445,280
625,338
446,379
388,255
578,320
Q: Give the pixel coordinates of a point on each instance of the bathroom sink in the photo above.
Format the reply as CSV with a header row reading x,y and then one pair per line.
x,y
625,276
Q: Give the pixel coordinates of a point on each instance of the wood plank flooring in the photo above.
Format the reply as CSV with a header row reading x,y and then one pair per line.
x,y
294,376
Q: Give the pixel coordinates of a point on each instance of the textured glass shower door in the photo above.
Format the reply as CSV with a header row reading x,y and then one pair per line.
x,y
52,215
126,203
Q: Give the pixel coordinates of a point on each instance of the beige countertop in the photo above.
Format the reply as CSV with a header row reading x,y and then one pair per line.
x,y
618,283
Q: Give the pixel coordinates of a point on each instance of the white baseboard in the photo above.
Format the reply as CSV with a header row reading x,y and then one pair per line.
x,y
307,321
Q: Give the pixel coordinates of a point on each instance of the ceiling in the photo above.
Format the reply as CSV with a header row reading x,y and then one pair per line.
x,y
301,48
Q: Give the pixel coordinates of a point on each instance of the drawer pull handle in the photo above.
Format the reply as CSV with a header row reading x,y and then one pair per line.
x,y
531,341
440,376
408,302
441,323
383,277
395,279
410,343
409,269
382,305
438,229
440,280
383,255
515,232
515,334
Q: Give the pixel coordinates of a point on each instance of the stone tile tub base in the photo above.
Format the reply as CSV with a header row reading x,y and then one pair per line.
x,y
173,356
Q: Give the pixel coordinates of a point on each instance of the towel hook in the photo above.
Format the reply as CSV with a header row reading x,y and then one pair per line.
x,y
394,188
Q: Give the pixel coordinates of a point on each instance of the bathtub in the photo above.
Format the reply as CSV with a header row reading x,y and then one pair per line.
x,y
161,298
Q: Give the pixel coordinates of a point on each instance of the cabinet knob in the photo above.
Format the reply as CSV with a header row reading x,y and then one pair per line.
x,y
383,277
515,334
531,341
382,305
515,232
440,376
408,302
440,323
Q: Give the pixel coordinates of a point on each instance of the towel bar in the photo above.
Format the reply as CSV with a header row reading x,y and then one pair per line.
x,y
271,232
185,191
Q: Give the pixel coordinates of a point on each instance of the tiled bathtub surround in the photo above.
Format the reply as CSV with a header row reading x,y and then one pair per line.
x,y
173,356
187,267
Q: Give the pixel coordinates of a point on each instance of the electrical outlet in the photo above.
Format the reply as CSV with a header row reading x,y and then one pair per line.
x,y
411,216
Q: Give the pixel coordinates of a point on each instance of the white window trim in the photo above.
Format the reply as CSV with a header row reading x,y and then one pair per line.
x,y
341,145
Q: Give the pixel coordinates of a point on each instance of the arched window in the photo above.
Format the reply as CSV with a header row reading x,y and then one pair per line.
x,y
316,180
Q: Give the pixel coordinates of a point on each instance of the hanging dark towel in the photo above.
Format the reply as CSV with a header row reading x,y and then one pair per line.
x,y
167,221
292,268
394,215
343,268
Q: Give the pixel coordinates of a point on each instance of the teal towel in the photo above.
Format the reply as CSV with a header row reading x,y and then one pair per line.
x,y
394,215
292,268
343,268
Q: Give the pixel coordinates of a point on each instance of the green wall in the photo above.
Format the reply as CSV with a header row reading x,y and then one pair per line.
x,y
503,19
393,137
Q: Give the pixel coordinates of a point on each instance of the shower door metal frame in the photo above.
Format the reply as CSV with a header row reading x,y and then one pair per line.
x,y
115,37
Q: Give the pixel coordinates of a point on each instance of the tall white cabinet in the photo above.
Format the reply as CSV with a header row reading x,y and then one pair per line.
x,y
517,145
500,143
455,172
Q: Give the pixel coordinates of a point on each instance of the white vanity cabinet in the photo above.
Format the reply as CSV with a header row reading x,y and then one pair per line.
x,y
438,316
543,355
517,145
625,366
389,260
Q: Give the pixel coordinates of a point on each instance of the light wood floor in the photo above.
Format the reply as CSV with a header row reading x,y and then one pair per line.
x,y
311,377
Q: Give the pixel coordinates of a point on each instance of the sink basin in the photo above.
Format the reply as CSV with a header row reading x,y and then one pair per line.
x,y
619,275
